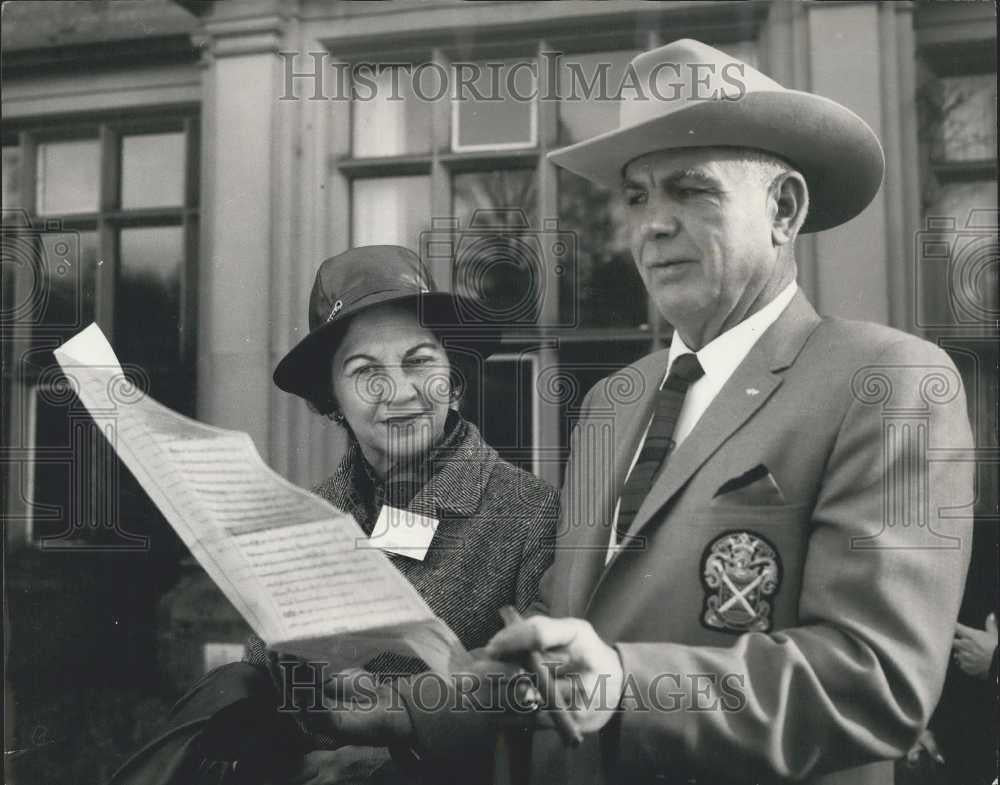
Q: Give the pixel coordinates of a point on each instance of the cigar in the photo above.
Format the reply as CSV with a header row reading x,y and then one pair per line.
x,y
560,716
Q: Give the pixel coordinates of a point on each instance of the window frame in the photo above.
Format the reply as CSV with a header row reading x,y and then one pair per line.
x,y
109,217
950,47
107,221
442,162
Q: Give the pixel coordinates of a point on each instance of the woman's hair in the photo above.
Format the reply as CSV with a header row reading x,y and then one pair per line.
x,y
321,399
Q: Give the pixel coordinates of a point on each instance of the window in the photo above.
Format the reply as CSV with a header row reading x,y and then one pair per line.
x,y
99,225
447,156
957,252
496,109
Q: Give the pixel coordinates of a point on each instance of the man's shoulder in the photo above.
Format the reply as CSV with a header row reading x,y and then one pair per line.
x,y
869,341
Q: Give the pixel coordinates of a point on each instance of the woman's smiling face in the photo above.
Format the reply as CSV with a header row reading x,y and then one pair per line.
x,y
391,382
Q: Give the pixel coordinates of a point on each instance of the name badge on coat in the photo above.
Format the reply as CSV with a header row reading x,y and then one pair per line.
x,y
403,532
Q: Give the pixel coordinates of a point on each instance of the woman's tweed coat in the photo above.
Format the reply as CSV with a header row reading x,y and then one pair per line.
x,y
495,536
492,545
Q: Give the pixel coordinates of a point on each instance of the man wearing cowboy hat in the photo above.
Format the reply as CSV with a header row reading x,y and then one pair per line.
x,y
757,573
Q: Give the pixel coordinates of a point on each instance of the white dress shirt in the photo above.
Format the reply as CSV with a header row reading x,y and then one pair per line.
x,y
719,358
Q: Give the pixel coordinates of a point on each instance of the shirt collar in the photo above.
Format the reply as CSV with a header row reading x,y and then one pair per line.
x,y
722,355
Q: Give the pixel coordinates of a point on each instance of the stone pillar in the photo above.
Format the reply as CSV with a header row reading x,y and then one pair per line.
x,y
273,209
860,54
239,178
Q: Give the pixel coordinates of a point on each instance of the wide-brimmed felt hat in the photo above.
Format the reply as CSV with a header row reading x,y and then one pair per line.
x,y
359,279
693,95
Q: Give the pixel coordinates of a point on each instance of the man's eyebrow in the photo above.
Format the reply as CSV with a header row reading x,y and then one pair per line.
x,y
689,174
674,178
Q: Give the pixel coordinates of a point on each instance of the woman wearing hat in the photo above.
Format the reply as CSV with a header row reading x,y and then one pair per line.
x,y
382,360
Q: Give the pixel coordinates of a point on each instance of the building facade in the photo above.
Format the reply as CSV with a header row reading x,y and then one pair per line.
x,y
175,171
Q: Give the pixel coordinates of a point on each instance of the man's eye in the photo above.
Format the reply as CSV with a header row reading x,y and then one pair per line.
x,y
420,360
635,197
363,370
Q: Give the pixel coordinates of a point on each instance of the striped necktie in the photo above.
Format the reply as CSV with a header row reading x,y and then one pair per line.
x,y
659,438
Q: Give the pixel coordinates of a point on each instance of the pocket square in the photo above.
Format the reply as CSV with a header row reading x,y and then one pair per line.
x,y
756,486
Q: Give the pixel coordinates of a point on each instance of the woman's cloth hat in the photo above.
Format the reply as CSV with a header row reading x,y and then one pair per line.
x,y
692,95
354,281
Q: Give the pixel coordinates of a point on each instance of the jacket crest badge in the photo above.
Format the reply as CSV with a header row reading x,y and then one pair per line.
x,y
741,572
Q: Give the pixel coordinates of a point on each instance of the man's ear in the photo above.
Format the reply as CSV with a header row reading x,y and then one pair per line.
x,y
789,197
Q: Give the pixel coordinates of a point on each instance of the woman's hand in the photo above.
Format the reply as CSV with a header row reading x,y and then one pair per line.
x,y
973,649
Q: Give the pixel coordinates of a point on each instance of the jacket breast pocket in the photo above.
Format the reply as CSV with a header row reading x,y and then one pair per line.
x,y
750,568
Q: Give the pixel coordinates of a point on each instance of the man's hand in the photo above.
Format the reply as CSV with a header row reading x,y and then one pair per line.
x,y
359,711
973,649
588,673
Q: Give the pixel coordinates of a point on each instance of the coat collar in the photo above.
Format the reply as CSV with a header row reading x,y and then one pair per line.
x,y
459,474
458,470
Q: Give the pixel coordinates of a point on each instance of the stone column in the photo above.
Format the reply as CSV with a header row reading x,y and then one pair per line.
x,y
860,54
242,81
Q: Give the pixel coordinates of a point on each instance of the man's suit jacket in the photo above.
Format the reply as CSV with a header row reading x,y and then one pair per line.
x,y
828,477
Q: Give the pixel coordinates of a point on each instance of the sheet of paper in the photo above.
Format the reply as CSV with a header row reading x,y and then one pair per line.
x,y
403,532
293,565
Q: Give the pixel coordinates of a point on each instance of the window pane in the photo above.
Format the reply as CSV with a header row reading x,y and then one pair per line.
x,y
153,170
52,278
148,309
68,177
504,197
76,477
958,200
743,50
589,88
969,118
498,256
395,121
957,272
11,178
390,211
71,266
508,408
581,364
494,105
603,288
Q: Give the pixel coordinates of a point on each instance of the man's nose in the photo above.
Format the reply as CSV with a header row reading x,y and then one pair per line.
x,y
659,223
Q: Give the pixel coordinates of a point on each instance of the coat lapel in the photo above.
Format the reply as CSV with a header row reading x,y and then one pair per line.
x,y
602,458
746,391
